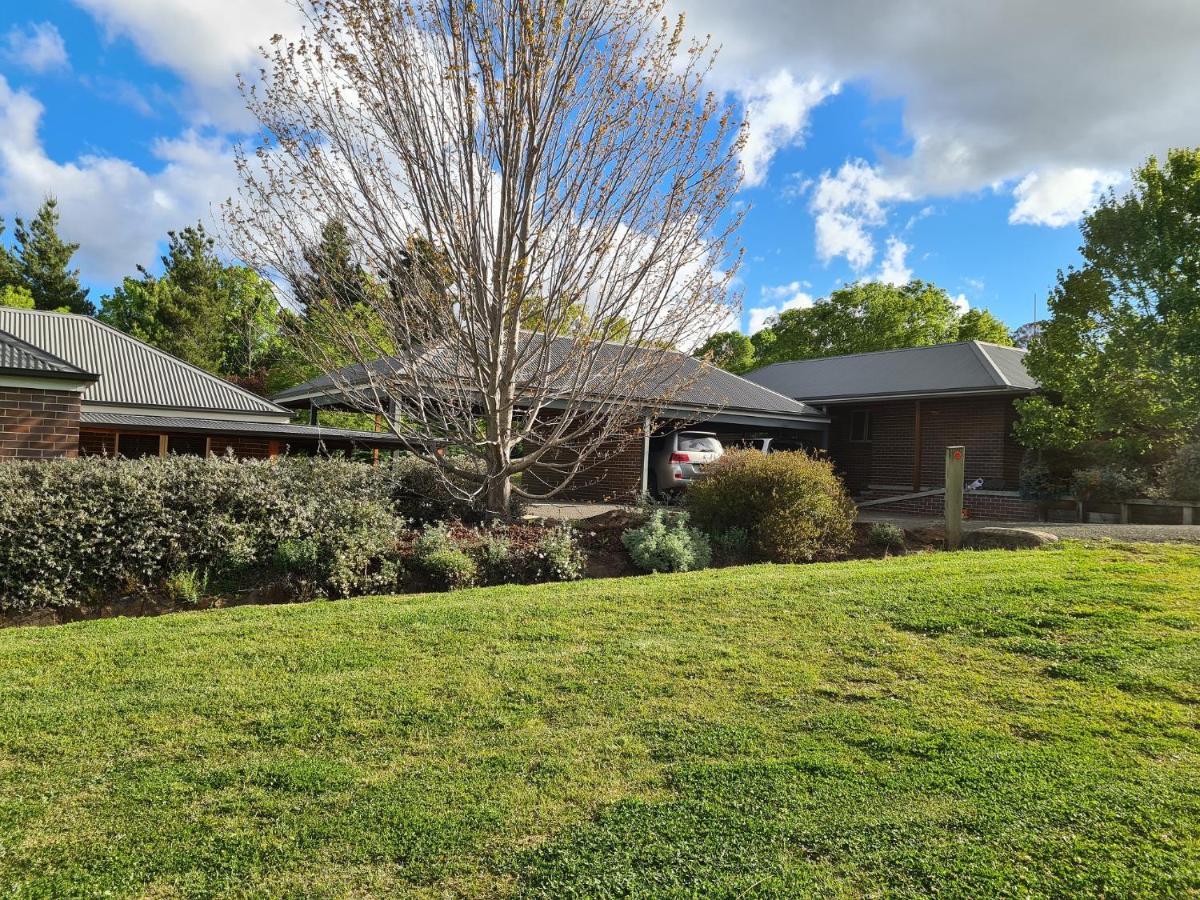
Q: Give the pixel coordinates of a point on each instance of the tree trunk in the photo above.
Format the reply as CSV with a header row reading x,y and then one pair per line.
x,y
499,495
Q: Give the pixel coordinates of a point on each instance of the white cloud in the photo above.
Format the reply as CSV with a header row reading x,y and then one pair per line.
x,y
777,111
894,268
206,43
783,297
117,211
1059,197
991,92
845,205
38,47
961,303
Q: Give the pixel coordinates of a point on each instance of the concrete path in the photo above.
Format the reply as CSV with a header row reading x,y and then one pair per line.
x,y
569,511
1156,534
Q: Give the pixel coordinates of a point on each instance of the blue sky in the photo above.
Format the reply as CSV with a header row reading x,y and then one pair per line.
x,y
947,141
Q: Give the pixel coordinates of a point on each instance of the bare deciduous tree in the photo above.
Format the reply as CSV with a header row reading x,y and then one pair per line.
x,y
563,162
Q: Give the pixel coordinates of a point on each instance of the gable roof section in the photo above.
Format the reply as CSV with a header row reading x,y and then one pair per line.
x,y
17,357
131,373
704,387
967,367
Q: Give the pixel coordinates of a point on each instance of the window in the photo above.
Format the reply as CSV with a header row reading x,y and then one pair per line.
x,y
187,444
698,443
860,425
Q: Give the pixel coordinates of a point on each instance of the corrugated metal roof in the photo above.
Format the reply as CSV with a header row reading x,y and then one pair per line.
x,y
701,386
131,373
196,425
965,367
20,357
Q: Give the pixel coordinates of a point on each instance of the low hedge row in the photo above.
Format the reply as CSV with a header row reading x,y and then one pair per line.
x,y
79,532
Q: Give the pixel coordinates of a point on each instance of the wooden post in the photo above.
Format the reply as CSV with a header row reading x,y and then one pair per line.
x,y
917,447
1124,513
1187,515
955,469
162,445
375,452
312,414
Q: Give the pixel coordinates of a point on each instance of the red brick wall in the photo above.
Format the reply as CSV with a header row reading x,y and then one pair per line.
x,y
981,424
985,505
38,424
612,474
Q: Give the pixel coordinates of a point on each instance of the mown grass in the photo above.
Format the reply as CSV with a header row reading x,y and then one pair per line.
x,y
971,724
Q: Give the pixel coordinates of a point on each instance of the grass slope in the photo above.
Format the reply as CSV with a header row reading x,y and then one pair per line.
x,y
975,724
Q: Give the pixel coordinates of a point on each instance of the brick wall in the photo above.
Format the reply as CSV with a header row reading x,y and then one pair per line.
x,y
37,423
612,474
981,424
998,505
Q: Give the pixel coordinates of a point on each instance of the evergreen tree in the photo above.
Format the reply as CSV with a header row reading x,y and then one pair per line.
x,y
42,260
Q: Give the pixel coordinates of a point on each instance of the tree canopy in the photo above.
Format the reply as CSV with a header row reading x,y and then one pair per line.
x,y
730,350
860,318
40,263
223,318
868,316
1119,356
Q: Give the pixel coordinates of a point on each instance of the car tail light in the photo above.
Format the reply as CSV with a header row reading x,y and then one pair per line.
x,y
680,457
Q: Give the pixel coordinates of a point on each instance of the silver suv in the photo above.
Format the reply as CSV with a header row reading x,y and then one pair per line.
x,y
679,458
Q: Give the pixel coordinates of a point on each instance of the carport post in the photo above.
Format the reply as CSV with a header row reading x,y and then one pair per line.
x,y
645,456
955,467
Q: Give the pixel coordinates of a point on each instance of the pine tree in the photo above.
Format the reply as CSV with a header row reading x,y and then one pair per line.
x,y
43,259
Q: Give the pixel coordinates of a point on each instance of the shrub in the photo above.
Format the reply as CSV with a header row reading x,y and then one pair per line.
x,y
74,531
296,557
1106,484
731,545
886,536
557,556
666,543
496,562
185,587
1179,478
792,506
1039,481
445,565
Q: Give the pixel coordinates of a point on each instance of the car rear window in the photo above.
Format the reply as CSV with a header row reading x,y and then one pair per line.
x,y
699,443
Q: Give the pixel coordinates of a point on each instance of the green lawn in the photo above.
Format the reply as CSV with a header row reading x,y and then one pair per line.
x,y
971,724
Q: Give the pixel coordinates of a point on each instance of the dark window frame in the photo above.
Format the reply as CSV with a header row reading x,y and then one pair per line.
x,y
860,426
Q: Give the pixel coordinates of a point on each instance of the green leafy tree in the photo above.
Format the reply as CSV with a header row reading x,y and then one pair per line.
x,y
10,271
16,296
869,316
981,325
1119,357
731,350
42,260
223,318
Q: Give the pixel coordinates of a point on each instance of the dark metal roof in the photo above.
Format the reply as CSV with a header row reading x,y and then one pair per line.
x,y
194,425
19,357
702,386
131,373
966,367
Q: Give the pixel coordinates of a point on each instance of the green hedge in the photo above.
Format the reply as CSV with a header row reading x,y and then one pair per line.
x,y
76,532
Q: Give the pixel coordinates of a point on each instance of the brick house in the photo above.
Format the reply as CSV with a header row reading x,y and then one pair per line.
x,y
707,398
893,413
72,385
